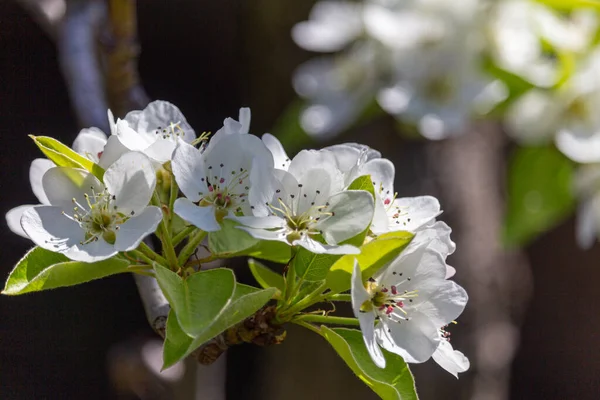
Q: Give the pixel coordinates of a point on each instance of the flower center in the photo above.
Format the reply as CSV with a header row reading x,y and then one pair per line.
x,y
388,302
299,224
227,190
99,218
172,132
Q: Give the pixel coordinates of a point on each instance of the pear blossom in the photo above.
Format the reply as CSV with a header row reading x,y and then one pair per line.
x,y
520,31
216,181
90,143
153,131
88,220
404,305
418,58
300,205
567,113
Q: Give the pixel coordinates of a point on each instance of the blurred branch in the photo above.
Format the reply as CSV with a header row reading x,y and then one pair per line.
x,y
121,53
48,14
498,281
78,54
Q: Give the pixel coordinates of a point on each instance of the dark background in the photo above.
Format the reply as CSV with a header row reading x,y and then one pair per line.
x,y
210,58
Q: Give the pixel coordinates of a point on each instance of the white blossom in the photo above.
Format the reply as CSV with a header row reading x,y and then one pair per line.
x,y
299,205
90,143
153,131
404,305
567,113
87,220
216,181
526,35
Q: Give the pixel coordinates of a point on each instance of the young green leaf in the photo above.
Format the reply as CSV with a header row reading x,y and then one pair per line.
x,y
198,299
395,382
64,156
312,267
539,193
229,241
265,277
363,183
372,257
245,302
42,269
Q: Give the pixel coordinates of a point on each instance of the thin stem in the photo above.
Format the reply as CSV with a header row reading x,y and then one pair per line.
x,y
151,254
174,192
315,297
165,236
183,234
340,297
308,326
191,246
141,256
321,319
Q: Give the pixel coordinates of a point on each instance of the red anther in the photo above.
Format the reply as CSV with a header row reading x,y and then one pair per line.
x,y
387,201
227,199
382,307
100,154
389,310
384,290
210,188
219,195
394,290
400,304
241,181
222,180
396,215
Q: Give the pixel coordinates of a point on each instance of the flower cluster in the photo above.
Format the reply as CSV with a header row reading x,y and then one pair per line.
x,y
99,201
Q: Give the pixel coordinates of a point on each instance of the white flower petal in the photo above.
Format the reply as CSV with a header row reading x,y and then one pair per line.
x,y
413,213
92,252
324,160
332,25
131,180
47,227
582,147
135,229
13,219
202,217
62,185
280,157
161,150
269,222
263,234
353,212
38,168
188,168
113,150
90,143
157,116
132,139
359,296
415,340
320,248
451,360
245,117
442,302
437,237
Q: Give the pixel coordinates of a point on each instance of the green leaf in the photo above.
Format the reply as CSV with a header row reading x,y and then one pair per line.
x,y
566,5
265,277
198,299
372,257
363,183
539,193
42,269
229,241
312,267
395,382
64,156
270,250
245,302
